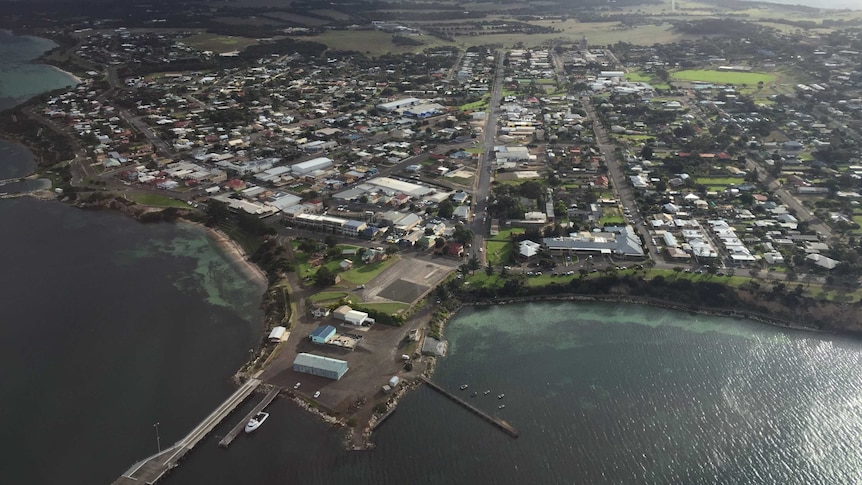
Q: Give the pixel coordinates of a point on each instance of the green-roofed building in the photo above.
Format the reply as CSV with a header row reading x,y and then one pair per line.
x,y
318,365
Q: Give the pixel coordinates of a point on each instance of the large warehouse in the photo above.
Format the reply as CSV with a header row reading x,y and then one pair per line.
x,y
318,365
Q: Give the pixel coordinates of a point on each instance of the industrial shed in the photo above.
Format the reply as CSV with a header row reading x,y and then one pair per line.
x,y
321,335
317,365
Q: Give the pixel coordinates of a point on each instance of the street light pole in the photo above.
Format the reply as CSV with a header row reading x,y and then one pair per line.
x,y
158,439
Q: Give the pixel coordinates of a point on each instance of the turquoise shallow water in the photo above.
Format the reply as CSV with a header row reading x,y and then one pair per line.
x,y
21,79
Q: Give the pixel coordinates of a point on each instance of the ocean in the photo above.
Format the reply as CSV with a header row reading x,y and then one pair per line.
x,y
601,394
21,79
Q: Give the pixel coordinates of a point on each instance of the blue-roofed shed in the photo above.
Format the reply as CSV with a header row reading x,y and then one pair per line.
x,y
321,335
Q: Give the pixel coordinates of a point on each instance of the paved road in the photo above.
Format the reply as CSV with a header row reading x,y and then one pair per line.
x,y
482,188
624,191
802,212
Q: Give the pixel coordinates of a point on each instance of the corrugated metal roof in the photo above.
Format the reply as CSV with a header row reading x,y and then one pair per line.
x,y
320,362
322,331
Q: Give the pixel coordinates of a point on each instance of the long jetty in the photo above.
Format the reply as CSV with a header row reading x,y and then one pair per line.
x,y
236,430
151,469
499,423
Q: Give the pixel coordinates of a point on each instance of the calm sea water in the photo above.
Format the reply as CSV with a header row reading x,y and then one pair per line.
x,y
19,78
602,394
109,326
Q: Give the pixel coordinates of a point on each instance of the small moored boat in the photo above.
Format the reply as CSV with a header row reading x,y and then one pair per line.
x,y
501,406
501,396
464,386
256,421
487,392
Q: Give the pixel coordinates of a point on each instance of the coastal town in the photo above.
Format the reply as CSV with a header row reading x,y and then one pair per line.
x,y
380,193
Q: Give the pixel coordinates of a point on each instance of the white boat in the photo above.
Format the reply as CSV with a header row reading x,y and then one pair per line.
x,y
317,394
501,396
256,421
501,406
464,386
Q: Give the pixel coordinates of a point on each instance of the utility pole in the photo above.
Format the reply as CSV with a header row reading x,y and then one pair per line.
x,y
158,438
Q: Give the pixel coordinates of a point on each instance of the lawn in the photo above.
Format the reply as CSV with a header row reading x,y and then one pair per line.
x,y
327,296
723,77
611,220
156,200
390,308
719,181
499,252
500,247
638,77
476,105
363,273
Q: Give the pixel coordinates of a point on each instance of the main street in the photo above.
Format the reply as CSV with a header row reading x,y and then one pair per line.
x,y
620,184
802,212
484,167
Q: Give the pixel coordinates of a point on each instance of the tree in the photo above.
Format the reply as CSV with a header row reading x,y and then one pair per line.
x,y
445,209
439,243
489,270
324,277
308,245
216,212
462,234
330,241
473,264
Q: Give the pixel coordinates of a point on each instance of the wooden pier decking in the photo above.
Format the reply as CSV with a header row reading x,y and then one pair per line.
x,y
153,468
236,430
499,423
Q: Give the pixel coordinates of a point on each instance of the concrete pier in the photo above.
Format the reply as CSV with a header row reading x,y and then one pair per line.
x,y
233,433
499,423
151,469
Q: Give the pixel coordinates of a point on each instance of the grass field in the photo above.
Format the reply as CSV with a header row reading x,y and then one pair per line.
x,y
327,296
611,220
156,200
719,181
722,77
476,105
366,272
390,308
218,43
638,77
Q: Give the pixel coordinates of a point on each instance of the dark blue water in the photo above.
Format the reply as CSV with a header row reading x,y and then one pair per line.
x,y
109,326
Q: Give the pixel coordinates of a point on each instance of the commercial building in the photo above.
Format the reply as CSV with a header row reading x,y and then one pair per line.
x,y
318,365
351,316
399,104
309,166
615,240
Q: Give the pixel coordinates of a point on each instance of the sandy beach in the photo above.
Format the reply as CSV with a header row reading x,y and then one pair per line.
x,y
67,73
236,254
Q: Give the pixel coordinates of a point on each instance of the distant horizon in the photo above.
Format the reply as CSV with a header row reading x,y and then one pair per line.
x,y
827,4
